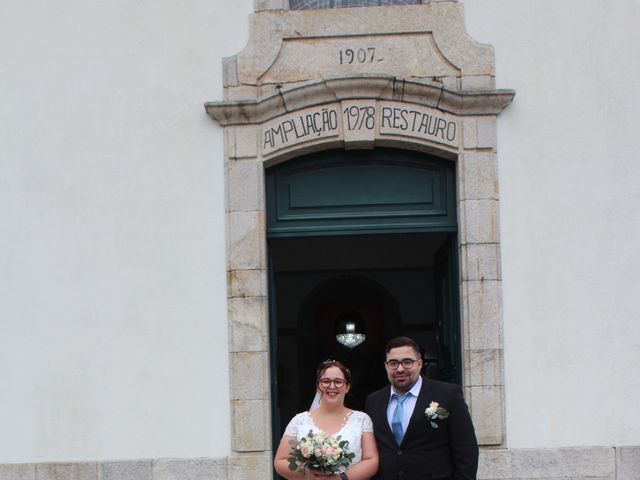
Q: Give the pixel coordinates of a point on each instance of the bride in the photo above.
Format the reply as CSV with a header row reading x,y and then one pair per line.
x,y
333,381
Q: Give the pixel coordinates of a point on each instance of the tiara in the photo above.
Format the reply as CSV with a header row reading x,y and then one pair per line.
x,y
329,361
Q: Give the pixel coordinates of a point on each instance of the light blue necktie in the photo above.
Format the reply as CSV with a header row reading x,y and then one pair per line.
x,y
396,420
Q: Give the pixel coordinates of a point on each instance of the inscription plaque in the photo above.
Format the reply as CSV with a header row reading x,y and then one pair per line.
x,y
300,127
360,121
416,121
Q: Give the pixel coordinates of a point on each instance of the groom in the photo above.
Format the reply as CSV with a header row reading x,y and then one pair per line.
x,y
412,445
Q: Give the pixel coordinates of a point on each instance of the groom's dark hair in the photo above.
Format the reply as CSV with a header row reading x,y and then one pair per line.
x,y
402,342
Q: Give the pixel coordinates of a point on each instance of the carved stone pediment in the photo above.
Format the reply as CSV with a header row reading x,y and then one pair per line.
x,y
413,41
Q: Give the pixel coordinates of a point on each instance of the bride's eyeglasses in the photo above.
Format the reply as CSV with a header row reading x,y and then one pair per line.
x,y
326,382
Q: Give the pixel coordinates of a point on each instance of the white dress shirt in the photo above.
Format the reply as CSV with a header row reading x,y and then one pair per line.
x,y
408,406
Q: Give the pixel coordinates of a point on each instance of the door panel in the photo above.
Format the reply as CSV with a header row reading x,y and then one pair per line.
x,y
343,193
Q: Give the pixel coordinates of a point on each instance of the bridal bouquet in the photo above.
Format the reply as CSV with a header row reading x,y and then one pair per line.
x,y
322,452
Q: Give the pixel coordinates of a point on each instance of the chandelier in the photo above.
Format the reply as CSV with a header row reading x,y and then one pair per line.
x,y
350,329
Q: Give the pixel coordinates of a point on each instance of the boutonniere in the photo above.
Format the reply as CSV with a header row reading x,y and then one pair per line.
x,y
435,412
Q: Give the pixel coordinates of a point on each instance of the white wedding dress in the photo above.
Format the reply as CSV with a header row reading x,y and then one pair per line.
x,y
355,423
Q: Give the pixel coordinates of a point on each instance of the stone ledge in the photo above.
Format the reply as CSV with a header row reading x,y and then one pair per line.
x,y
257,466
567,463
377,87
627,463
189,469
577,462
494,464
20,471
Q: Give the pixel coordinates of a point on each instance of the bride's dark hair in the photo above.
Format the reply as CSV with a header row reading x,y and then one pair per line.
x,y
333,363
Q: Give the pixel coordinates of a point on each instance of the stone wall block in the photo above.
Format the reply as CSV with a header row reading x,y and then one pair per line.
x,y
244,186
230,71
627,463
268,89
263,5
482,312
362,138
250,466
485,368
246,141
366,87
478,176
480,261
190,469
247,283
298,97
66,471
251,381
241,92
248,324
414,92
466,391
21,471
478,82
479,221
464,319
130,470
580,462
451,82
470,133
486,412
569,478
246,238
466,366
251,428
487,132
230,141
494,464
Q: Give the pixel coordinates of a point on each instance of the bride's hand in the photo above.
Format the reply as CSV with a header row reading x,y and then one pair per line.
x,y
315,475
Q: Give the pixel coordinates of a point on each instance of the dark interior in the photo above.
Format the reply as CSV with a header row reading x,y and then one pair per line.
x,y
388,279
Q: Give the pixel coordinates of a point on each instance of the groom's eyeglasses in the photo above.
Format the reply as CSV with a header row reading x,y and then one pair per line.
x,y
406,363
326,382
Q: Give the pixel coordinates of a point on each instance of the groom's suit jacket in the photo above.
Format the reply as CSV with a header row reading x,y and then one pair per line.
x,y
447,452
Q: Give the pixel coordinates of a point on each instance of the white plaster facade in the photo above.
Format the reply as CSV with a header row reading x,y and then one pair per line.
x,y
113,328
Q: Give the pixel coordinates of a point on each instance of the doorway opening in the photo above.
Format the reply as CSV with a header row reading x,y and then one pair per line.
x,y
396,283
367,234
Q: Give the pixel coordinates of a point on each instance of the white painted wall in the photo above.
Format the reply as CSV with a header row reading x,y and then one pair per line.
x,y
112,293
570,216
113,332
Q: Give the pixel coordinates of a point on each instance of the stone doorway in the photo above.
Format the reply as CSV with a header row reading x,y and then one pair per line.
x,y
287,96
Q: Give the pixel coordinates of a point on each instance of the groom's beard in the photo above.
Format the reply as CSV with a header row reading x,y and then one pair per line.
x,y
403,382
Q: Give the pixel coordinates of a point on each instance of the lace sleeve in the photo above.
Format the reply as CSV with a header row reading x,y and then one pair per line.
x,y
367,424
294,425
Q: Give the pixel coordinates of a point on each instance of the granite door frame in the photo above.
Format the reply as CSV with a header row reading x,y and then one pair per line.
x,y
249,153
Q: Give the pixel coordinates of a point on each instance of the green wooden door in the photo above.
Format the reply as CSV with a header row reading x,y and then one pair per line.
x,y
361,192
448,312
